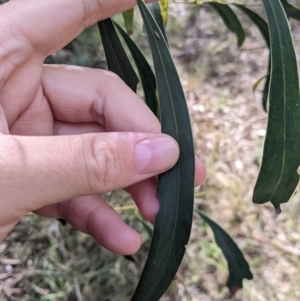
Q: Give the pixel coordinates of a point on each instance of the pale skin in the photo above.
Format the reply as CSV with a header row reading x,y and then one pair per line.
x,y
68,134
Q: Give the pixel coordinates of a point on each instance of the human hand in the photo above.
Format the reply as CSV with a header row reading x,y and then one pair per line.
x,y
69,133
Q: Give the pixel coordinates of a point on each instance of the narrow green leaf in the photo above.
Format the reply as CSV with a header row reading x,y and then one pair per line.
x,y
257,83
128,19
237,264
116,56
291,10
145,71
175,187
156,12
258,21
278,176
263,27
230,20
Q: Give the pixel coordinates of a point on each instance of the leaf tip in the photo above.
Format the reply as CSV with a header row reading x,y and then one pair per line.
x,y
277,209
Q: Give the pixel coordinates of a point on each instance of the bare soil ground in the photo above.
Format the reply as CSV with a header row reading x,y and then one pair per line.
x,y
44,260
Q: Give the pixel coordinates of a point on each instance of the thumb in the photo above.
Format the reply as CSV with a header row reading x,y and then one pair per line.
x,y
39,171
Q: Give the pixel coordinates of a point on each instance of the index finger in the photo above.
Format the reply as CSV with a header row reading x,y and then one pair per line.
x,y
80,94
50,25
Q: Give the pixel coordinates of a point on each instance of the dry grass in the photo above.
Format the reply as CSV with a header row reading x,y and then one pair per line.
x,y
43,260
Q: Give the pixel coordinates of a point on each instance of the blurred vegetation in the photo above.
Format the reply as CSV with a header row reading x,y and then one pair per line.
x,y
44,260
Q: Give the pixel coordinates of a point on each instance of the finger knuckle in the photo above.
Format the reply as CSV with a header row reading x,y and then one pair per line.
x,y
106,167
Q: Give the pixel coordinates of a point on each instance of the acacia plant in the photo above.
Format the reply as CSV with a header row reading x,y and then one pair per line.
x,y
164,95
278,176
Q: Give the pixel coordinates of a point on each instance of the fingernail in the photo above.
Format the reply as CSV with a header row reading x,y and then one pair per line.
x,y
156,155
